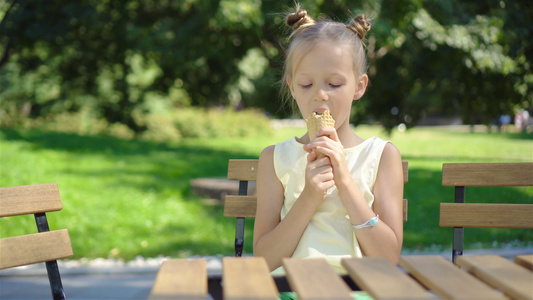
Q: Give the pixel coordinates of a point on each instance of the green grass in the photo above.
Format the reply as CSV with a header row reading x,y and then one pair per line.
x,y
127,198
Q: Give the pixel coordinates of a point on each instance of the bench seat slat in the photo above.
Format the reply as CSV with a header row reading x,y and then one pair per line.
x,y
34,248
315,279
383,281
445,279
247,278
500,273
486,215
29,199
181,279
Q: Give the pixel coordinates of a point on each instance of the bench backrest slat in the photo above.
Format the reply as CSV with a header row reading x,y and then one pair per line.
x,y
246,169
487,174
484,215
46,246
34,248
29,199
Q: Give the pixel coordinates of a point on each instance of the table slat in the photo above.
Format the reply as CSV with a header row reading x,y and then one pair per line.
x,y
315,279
247,278
445,279
525,261
181,279
501,273
381,280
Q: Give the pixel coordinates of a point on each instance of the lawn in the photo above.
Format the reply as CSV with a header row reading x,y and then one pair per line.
x,y
127,198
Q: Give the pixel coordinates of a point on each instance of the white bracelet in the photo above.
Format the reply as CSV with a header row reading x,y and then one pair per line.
x,y
370,223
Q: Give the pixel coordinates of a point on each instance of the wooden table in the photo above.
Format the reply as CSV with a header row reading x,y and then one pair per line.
x,y
417,277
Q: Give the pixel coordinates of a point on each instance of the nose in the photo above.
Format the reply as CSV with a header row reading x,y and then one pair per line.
x,y
321,94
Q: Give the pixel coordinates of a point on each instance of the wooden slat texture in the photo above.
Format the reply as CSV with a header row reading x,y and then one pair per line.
x,y
246,169
245,206
487,174
315,279
382,280
513,280
29,199
181,279
486,215
240,206
34,248
525,261
405,166
247,278
445,279
405,206
242,169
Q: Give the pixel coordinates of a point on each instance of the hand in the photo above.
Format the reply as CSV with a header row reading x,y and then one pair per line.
x,y
318,177
328,143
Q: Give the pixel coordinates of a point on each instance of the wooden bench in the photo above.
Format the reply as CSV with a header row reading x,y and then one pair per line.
x,y
46,246
484,215
244,206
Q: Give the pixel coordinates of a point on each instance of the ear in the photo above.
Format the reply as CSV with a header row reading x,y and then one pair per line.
x,y
361,87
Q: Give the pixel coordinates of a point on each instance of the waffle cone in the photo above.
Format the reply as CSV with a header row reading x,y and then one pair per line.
x,y
317,121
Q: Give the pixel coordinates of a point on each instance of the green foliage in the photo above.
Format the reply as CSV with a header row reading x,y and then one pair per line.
x,y
196,122
170,126
456,58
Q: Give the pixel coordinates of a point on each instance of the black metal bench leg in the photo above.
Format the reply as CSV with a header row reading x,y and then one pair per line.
x,y
458,232
51,266
55,280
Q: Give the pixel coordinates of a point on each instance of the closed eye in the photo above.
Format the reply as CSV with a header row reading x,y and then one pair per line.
x,y
306,85
334,85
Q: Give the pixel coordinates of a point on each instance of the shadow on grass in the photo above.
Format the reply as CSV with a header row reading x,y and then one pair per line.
x,y
169,165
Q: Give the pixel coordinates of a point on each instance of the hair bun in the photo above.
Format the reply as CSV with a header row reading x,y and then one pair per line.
x,y
299,19
360,26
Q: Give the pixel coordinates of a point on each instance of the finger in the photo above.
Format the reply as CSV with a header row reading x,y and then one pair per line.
x,y
312,156
328,132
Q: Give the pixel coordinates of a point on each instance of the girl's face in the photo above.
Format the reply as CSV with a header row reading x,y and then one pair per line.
x,y
325,79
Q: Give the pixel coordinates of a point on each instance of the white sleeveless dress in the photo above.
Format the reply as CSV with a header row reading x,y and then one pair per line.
x,y
329,234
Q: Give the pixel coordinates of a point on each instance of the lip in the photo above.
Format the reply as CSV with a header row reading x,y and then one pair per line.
x,y
320,110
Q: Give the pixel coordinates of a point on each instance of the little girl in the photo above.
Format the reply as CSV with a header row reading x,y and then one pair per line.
x,y
347,203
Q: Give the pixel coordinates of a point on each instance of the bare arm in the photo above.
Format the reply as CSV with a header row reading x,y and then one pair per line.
x,y
385,239
275,239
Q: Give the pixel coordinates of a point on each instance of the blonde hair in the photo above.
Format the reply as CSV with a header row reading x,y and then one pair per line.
x,y
307,33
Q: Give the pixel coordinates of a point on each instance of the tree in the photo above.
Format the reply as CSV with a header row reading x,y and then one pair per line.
x,y
455,57
124,59
122,55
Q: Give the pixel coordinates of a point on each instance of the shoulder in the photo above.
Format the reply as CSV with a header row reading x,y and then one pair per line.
x,y
267,153
391,152
266,159
391,160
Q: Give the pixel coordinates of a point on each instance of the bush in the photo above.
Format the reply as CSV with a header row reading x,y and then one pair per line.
x,y
163,127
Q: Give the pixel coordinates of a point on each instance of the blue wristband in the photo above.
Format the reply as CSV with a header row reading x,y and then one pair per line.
x,y
370,223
